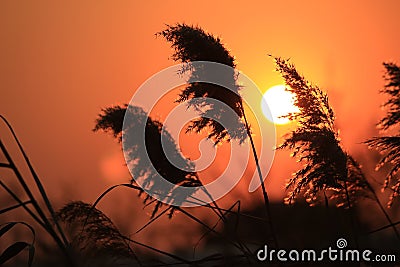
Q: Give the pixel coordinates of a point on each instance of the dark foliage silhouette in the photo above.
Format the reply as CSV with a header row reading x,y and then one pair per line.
x,y
390,145
111,120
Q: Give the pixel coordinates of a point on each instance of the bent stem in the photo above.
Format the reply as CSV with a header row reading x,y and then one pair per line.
x,y
391,224
352,216
267,204
236,244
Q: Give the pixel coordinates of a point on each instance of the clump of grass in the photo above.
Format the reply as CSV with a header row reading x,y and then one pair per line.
x,y
389,146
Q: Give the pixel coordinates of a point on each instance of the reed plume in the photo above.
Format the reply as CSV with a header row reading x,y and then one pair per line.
x,y
139,152
389,146
191,44
327,168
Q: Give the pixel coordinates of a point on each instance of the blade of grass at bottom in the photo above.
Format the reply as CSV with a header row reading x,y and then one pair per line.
x,y
38,184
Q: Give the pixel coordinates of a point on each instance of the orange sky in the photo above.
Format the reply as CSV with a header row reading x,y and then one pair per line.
x,y
61,62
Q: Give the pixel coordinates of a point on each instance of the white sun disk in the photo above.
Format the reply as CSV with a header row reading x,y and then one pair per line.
x,y
278,102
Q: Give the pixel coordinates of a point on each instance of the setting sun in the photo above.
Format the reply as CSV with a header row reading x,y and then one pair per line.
x,y
279,102
199,133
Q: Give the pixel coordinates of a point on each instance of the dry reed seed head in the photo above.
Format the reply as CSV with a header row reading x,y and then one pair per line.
x,y
389,147
392,89
94,233
311,100
147,160
190,44
316,143
111,120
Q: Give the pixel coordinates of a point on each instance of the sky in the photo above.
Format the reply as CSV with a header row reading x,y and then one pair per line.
x,y
61,62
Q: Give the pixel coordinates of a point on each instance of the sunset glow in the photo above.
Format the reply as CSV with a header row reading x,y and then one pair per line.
x,y
151,134
277,103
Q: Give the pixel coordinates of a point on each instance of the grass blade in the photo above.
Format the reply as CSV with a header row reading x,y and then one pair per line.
x,y
12,251
31,255
7,228
15,207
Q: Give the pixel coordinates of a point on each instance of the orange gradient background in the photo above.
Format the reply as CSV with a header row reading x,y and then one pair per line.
x,y
61,62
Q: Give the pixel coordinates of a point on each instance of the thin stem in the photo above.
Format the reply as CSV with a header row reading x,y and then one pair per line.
x,y
209,228
391,224
384,227
243,246
371,189
264,191
16,198
13,207
5,165
153,220
221,214
352,218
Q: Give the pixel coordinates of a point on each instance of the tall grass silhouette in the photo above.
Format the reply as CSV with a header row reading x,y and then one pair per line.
x,y
328,171
111,120
390,145
329,174
191,43
40,214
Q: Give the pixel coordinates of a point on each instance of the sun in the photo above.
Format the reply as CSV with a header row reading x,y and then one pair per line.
x,y
278,102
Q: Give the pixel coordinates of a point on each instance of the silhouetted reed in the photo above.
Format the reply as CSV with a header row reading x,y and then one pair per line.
x,y
17,247
390,145
111,120
328,170
315,142
92,233
190,44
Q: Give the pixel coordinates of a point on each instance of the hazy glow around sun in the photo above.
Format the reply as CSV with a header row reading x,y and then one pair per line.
x,y
280,102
